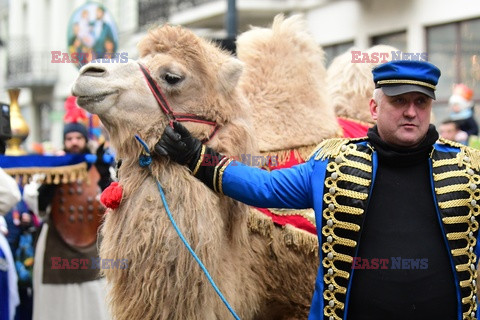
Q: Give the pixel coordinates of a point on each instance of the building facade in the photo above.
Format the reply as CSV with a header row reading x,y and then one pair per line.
x,y
446,31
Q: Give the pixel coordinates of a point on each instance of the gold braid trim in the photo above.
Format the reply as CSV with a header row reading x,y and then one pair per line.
x,y
200,159
445,162
450,188
347,209
308,214
339,150
450,174
473,155
220,179
407,81
468,160
216,184
452,204
53,175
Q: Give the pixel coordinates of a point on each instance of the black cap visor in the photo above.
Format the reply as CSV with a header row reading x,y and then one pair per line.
x,y
395,90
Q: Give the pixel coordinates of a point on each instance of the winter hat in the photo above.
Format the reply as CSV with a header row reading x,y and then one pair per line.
x,y
75,127
462,96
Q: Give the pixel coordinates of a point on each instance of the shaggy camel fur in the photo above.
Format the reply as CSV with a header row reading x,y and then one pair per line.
x,y
350,86
259,276
284,80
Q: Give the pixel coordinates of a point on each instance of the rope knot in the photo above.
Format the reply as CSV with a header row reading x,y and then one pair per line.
x,y
145,158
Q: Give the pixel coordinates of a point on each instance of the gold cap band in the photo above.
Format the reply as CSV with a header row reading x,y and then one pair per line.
x,y
406,81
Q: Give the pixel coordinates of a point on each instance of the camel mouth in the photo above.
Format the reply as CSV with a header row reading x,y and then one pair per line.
x,y
88,99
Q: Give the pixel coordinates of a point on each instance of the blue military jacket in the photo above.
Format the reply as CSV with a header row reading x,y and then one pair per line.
x,y
336,182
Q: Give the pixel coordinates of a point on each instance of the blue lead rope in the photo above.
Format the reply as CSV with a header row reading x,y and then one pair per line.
x,y
145,161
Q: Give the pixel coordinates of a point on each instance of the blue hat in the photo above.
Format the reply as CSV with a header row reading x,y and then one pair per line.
x,y
75,127
402,76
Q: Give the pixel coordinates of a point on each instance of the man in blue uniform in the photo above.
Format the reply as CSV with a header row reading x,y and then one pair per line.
x,y
396,211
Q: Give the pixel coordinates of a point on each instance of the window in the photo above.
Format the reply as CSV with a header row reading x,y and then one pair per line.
x,y
335,50
397,40
152,11
455,49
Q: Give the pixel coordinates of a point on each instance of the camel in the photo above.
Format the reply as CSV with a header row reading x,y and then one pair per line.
x,y
259,275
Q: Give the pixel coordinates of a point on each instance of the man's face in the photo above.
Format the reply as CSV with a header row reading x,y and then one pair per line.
x,y
402,120
99,14
75,142
448,131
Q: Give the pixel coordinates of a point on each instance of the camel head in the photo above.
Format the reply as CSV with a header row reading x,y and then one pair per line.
x,y
195,76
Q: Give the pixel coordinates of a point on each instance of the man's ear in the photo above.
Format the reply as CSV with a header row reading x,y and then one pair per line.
x,y
374,109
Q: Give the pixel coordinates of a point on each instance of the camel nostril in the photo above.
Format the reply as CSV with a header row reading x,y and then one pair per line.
x,y
94,71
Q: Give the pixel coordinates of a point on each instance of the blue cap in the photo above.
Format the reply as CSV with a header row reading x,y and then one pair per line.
x,y
402,76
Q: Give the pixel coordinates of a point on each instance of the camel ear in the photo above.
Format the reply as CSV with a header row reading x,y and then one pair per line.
x,y
229,74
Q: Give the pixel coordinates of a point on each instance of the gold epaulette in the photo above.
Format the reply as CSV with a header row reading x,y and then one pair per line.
x,y
330,148
473,155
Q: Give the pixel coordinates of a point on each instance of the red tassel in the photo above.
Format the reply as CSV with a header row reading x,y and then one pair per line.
x,y
112,196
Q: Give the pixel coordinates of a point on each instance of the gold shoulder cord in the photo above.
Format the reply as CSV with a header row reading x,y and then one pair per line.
x,y
330,148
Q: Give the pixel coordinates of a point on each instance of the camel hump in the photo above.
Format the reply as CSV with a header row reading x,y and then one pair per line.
x,y
331,148
284,81
285,33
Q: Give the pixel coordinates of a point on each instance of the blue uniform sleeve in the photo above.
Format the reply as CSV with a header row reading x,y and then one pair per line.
x,y
284,188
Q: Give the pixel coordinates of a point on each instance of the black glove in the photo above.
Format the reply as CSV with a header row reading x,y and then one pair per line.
x,y
179,145
103,168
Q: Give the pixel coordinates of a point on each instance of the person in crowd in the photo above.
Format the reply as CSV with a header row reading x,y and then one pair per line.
x,y
102,32
23,228
462,109
396,211
450,130
67,283
9,298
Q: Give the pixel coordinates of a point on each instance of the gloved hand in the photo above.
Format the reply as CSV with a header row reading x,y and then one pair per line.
x,y
179,145
103,167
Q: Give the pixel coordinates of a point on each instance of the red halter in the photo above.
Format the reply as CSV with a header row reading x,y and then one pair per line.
x,y
173,116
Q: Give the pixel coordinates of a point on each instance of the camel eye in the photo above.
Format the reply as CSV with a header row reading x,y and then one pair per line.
x,y
172,79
